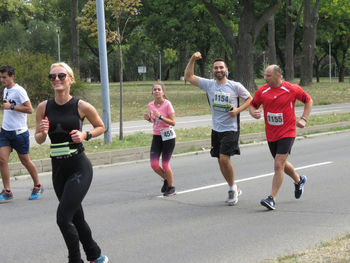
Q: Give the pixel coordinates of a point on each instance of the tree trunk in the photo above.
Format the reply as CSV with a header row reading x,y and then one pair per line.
x,y
244,70
309,41
75,35
271,54
243,45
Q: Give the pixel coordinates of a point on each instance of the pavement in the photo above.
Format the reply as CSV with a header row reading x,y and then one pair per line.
x,y
142,153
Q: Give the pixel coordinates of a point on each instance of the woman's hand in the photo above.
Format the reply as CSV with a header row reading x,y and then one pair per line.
x,y
147,117
77,136
44,125
156,113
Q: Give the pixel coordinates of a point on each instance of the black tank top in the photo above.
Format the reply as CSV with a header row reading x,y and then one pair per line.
x,y
63,119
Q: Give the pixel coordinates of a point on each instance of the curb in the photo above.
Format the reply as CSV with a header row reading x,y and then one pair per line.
x,y
141,154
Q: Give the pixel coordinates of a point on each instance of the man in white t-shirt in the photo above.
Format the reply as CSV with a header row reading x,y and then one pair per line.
x,y
223,96
14,132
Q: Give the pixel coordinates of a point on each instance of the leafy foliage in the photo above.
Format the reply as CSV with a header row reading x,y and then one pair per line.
x,y
32,70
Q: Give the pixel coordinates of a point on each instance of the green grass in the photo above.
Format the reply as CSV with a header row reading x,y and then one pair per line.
x,y
333,251
182,135
187,99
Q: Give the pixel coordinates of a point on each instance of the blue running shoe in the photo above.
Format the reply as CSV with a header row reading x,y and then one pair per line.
x,y
36,192
299,187
269,203
101,259
5,195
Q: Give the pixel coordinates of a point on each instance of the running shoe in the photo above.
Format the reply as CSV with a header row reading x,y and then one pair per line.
x,y
101,259
299,187
165,186
233,197
6,196
269,203
170,191
36,192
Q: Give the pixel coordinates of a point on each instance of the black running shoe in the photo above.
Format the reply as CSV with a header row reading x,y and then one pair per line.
x,y
269,203
170,191
165,186
299,187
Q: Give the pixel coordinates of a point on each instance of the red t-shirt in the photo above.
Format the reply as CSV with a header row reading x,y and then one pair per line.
x,y
279,109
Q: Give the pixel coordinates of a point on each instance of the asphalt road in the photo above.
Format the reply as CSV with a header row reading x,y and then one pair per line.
x,y
131,127
133,223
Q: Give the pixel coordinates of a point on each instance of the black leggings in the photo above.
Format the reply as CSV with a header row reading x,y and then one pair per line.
x,y
71,180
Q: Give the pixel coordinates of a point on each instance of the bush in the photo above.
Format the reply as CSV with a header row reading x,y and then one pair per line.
x,y
32,70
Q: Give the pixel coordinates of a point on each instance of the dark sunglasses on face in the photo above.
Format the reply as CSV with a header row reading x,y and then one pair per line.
x,y
61,76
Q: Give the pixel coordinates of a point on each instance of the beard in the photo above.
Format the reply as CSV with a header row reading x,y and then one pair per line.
x,y
219,76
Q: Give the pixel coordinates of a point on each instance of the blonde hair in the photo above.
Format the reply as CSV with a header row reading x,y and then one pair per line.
x,y
159,83
65,66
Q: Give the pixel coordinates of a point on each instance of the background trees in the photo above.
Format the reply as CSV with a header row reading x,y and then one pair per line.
x,y
164,33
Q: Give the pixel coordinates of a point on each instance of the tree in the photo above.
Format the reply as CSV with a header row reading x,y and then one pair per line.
x,y
121,12
271,54
292,22
250,25
335,27
75,34
309,41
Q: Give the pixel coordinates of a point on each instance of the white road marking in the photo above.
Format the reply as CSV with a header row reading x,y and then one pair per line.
x,y
247,179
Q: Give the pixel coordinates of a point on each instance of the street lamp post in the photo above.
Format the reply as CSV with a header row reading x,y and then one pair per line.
x,y
160,65
58,43
330,59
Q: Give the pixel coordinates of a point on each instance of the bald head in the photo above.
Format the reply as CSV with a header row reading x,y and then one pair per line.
x,y
273,76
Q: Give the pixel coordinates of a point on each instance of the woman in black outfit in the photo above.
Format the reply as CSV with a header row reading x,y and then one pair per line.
x,y
61,118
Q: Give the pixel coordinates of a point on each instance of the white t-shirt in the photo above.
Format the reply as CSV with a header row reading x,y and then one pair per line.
x,y
14,120
221,98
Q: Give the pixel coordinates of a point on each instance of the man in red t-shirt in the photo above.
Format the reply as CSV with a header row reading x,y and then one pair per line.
x,y
278,100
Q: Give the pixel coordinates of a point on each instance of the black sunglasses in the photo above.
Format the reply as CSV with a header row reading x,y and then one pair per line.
x,y
61,76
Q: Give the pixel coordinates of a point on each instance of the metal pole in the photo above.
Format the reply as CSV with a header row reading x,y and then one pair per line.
x,y
160,65
330,60
58,44
106,114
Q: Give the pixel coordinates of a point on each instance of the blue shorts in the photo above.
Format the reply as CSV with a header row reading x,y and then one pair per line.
x,y
19,142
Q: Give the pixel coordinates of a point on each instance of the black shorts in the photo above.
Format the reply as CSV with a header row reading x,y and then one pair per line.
x,y
281,146
224,143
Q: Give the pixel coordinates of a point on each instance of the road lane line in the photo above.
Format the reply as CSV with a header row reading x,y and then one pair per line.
x,y
247,179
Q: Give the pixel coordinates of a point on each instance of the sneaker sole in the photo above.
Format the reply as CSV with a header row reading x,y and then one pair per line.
x,y
167,195
267,205
5,201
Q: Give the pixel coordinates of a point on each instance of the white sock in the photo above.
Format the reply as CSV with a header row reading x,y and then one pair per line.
x,y
235,188
232,188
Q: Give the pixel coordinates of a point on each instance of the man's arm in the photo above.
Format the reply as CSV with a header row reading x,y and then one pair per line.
x,y
26,107
307,109
189,71
254,112
235,111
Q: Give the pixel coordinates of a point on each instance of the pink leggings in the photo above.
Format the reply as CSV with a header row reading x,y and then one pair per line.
x,y
164,148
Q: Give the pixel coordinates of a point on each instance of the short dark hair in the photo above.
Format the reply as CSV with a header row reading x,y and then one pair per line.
x,y
9,69
220,60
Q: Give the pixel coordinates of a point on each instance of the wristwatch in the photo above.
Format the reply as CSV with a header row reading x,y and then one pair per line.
x,y
161,117
12,106
88,136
